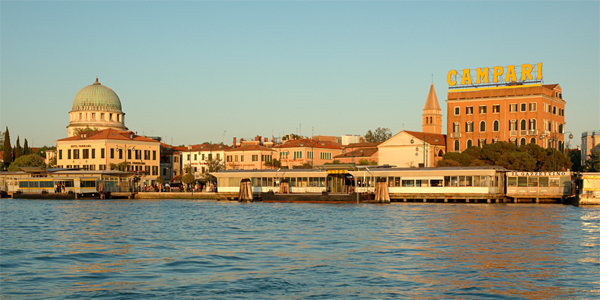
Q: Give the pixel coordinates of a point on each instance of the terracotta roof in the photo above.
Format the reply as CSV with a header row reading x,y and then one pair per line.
x,y
308,143
363,152
550,86
362,145
180,148
432,100
429,137
251,148
109,134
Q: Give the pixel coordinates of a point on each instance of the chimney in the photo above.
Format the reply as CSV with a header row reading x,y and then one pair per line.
x,y
266,140
234,141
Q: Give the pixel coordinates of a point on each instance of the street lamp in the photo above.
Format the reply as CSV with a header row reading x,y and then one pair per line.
x,y
425,139
553,137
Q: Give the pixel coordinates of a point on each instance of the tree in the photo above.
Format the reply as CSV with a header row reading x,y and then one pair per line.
x,y
380,135
7,157
52,162
274,164
214,165
305,165
26,150
575,156
592,164
366,162
18,151
122,166
518,161
30,160
77,131
160,179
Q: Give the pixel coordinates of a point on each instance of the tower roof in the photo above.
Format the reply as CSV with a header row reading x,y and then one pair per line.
x,y
432,100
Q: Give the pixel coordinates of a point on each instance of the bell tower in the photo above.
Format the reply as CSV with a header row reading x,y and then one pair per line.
x,y
432,114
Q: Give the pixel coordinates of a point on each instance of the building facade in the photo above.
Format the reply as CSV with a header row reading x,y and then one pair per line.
x,y
412,149
110,149
589,142
198,157
296,153
356,152
518,113
248,157
96,107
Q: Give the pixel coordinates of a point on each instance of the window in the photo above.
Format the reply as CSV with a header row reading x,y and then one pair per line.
x,y
60,154
532,106
512,125
228,158
120,153
523,125
75,153
549,125
102,116
482,126
255,157
309,154
325,155
147,155
110,117
554,110
203,158
482,109
153,154
195,156
496,109
532,124
496,126
523,106
456,111
112,152
469,110
129,154
481,142
218,156
456,127
235,158
101,152
523,141
469,126
189,156
93,153
512,108
456,145
85,153
469,144
242,158
297,154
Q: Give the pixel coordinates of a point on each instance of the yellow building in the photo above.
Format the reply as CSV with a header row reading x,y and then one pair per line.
x,y
108,149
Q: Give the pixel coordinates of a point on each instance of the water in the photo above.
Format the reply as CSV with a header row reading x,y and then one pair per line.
x,y
168,249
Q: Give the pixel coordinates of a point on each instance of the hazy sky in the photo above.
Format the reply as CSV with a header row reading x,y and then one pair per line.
x,y
189,71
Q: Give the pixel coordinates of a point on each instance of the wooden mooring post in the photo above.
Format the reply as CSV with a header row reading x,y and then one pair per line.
x,y
245,194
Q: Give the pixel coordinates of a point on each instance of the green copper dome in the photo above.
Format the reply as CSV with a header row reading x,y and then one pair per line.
x,y
97,97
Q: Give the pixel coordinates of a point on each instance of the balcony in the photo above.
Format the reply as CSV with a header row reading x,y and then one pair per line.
x,y
523,132
455,135
533,132
513,133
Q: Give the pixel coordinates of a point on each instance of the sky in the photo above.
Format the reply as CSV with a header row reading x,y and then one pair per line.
x,y
195,71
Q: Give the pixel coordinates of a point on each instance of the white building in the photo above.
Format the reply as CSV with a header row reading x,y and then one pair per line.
x,y
197,156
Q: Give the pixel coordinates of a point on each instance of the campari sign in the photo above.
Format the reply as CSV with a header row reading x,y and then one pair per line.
x,y
495,76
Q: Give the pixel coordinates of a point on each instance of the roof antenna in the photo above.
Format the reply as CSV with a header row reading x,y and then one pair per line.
x,y
431,78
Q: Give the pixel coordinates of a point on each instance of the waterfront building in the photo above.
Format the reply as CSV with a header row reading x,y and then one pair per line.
x,y
411,149
493,107
108,149
248,157
96,107
170,161
590,141
296,153
198,157
355,152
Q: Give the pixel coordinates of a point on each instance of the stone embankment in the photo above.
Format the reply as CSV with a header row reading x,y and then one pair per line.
x,y
187,195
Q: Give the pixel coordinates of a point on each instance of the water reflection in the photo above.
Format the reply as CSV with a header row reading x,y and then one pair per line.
x,y
197,249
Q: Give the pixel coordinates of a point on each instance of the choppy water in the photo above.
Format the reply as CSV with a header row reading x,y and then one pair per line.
x,y
173,249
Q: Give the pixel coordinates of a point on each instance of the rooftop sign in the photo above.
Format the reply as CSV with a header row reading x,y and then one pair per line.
x,y
496,76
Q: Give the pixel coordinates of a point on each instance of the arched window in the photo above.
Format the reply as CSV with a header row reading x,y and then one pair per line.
x,y
532,140
469,144
456,145
496,126
523,141
523,124
456,127
441,153
532,124
512,125
482,126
